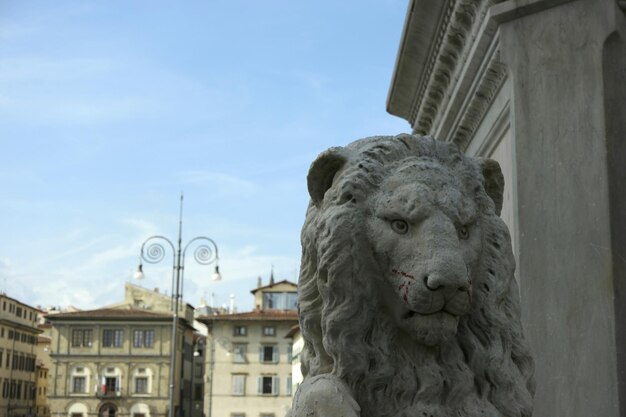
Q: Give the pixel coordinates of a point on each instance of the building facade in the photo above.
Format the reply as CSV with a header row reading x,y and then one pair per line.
x,y
115,361
540,86
248,368
43,372
18,341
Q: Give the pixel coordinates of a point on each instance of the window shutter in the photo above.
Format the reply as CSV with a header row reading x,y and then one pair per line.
x,y
275,385
117,385
259,385
275,354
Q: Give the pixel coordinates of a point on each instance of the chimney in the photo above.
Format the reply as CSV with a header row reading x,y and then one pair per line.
x,y
272,276
231,307
259,282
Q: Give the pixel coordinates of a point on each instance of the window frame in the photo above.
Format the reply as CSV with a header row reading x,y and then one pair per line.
x,y
263,353
144,384
238,381
113,338
240,353
240,330
82,338
82,385
143,338
274,384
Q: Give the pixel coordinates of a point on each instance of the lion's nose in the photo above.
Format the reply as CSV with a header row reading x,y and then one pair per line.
x,y
447,282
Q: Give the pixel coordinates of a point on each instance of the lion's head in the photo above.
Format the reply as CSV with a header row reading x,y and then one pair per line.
x,y
406,289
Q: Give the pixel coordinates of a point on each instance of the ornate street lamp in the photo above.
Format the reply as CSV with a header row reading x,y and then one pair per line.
x,y
153,251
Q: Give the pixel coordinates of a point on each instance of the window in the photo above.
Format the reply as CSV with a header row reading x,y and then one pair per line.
x,y
288,390
198,369
112,337
267,415
268,353
239,384
269,331
279,300
141,385
197,392
289,354
267,385
240,331
239,353
143,338
77,415
110,384
18,313
82,337
78,384
238,415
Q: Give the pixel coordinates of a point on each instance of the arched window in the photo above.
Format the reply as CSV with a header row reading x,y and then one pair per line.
x,y
80,380
142,380
78,410
139,410
108,410
111,382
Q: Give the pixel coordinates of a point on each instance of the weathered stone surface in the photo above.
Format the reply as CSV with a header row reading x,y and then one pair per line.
x,y
408,304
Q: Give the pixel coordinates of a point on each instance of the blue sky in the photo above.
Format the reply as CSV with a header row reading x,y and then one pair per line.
x,y
109,109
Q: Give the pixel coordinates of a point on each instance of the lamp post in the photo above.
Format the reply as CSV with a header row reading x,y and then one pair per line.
x,y
153,251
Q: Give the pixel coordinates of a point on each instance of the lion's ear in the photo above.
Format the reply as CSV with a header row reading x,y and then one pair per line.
x,y
322,172
494,181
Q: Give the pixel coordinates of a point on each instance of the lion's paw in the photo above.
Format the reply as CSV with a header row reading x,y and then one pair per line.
x,y
324,396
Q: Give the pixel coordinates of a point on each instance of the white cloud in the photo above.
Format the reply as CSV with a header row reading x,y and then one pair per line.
x,y
218,181
77,110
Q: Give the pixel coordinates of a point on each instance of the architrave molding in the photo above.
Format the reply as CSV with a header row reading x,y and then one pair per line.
x,y
461,74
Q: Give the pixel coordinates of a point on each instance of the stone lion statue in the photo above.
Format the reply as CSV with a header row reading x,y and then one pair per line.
x,y
407,301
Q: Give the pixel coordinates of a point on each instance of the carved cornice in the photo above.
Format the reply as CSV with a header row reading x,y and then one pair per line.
x,y
491,80
458,31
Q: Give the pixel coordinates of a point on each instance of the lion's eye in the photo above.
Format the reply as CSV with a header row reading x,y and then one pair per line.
x,y
400,226
463,233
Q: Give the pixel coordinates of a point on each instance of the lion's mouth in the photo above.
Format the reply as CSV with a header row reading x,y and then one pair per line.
x,y
411,314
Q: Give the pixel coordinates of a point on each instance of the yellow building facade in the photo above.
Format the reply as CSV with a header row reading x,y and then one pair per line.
x,y
18,340
115,361
248,369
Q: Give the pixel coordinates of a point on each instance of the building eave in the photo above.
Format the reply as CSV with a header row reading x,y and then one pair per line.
x,y
413,55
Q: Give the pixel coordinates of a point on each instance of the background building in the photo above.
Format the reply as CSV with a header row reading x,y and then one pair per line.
x,y
115,361
249,356
540,86
297,344
43,371
18,341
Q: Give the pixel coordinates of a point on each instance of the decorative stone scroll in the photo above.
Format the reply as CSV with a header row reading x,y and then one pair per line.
x,y
407,301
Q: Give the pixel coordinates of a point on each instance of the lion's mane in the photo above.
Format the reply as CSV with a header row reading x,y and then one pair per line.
x,y
485,371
